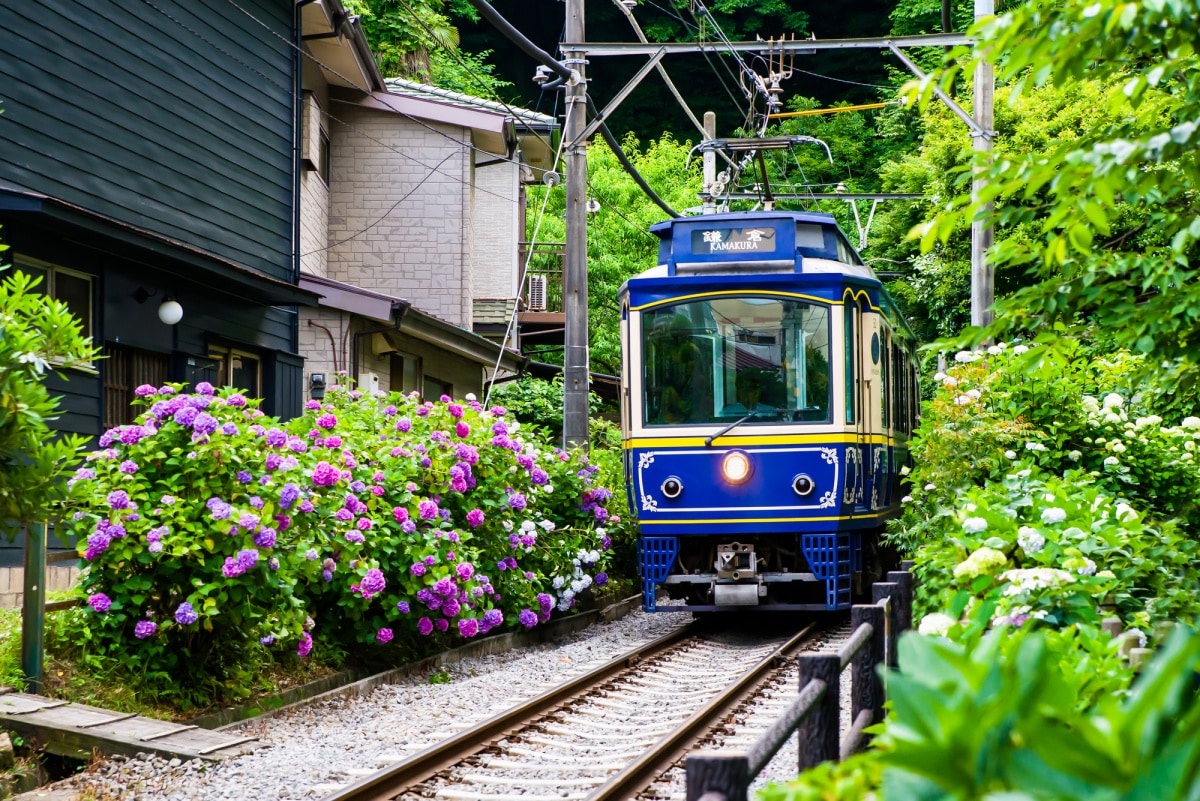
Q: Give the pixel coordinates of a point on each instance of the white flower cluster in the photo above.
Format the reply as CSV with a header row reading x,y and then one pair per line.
x,y
1030,579
974,525
1030,540
935,625
1054,514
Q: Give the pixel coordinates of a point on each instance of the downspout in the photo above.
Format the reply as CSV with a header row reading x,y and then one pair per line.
x,y
297,122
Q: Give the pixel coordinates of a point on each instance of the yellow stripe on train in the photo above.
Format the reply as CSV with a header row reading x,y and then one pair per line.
x,y
731,440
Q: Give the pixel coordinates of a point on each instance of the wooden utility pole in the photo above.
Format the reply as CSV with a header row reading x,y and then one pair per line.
x,y
982,278
575,282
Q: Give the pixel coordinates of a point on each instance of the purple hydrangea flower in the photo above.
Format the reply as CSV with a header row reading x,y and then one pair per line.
x,y
373,583
128,466
273,461
325,475
99,602
517,501
119,499
539,477
344,515
265,538
355,537
465,570
204,388
402,607
545,601
441,624
417,569
131,435
425,626
327,421
229,429
527,618
145,390
493,618
186,416
205,423
186,615
468,627
384,636
247,558
305,646
236,400
144,629
462,429
428,509
288,495
98,542
364,524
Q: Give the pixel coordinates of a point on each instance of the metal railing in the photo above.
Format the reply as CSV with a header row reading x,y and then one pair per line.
x,y
542,283
815,714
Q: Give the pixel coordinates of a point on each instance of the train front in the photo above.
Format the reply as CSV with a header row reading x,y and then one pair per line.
x,y
744,467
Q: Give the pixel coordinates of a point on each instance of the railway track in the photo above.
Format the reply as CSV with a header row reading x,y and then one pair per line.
x,y
606,735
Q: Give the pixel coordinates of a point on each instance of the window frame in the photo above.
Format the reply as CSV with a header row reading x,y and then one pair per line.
x,y
49,286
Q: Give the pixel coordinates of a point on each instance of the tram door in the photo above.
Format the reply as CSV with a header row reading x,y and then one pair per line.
x,y
857,414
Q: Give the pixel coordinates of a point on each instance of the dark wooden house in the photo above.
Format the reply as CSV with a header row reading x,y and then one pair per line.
x,y
148,153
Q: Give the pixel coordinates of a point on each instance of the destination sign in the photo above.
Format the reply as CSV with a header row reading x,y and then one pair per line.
x,y
733,240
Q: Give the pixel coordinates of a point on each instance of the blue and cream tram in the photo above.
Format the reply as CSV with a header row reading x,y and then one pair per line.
x,y
769,390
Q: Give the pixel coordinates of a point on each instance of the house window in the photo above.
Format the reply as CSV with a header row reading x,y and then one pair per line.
x,y
315,148
436,388
238,369
71,287
406,372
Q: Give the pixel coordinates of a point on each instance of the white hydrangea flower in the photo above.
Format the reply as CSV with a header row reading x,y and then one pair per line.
x,y
548,488
507,524
974,393
935,625
470,396
1054,514
1126,513
528,526
950,382
1030,540
930,486
964,357
939,376
962,400
558,582
974,525
548,525
1019,349
1034,446
1090,404
1191,423
1088,568
1010,454
1111,461
994,350
906,499
1049,496
904,471
1113,401
599,531
969,507
1074,456
1111,417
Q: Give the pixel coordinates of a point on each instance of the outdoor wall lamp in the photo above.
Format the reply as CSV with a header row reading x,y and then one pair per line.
x,y
170,312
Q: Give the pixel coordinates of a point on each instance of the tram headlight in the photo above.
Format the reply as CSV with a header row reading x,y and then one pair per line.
x,y
735,467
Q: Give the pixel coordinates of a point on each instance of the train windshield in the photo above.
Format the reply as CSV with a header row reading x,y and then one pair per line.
x,y
713,361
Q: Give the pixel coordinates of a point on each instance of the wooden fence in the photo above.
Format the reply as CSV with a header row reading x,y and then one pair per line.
x,y
815,715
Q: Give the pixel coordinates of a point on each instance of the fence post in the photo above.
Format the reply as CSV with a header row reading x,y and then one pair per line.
x,y
712,772
891,591
818,732
868,684
904,608
33,613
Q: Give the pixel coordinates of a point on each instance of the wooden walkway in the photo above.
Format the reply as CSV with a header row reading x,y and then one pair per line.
x,y
75,730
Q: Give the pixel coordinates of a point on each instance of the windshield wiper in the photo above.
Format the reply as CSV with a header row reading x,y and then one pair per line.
x,y
753,413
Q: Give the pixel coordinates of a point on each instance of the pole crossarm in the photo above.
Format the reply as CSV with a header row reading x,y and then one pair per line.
x,y
607,111
798,46
830,196
958,110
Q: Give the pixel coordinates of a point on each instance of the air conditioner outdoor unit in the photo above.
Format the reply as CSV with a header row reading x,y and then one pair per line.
x,y
368,383
537,293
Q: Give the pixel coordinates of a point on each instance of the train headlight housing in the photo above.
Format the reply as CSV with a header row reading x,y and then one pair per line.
x,y
672,487
803,485
735,467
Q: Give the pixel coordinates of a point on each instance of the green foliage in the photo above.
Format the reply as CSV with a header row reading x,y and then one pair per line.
x,y
620,244
1007,716
536,402
1106,214
37,334
416,40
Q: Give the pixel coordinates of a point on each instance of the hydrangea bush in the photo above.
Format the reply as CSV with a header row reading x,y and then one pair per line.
x,y
211,530
1068,499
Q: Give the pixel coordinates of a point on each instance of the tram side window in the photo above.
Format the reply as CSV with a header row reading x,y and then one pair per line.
x,y
885,390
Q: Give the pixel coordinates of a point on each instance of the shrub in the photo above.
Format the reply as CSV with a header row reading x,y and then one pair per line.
x,y
212,530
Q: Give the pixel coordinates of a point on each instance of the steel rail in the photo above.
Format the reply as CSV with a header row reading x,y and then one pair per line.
x,y
390,782
640,774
